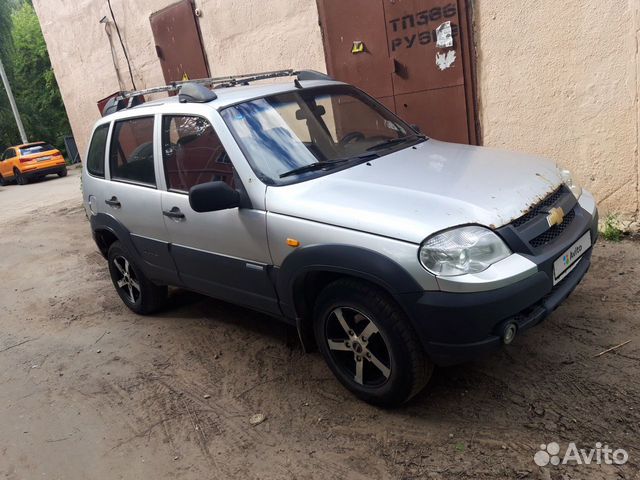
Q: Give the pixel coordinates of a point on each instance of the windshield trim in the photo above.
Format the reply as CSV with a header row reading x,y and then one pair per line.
x,y
281,182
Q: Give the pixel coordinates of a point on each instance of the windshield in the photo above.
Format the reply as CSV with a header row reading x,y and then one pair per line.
x,y
33,149
283,135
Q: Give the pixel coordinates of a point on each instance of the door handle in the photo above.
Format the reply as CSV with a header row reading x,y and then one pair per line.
x,y
173,213
113,202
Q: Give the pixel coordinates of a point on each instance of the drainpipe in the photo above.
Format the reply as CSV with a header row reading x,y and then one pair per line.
x,y
12,101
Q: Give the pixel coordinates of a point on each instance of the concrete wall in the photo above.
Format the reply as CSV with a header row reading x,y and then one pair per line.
x,y
561,79
239,36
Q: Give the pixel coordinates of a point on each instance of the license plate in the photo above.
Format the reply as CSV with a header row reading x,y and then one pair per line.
x,y
569,259
44,159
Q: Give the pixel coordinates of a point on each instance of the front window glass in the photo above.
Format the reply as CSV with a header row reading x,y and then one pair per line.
x,y
300,134
192,153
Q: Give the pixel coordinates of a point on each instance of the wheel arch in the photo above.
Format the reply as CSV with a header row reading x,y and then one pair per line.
x,y
305,272
104,238
107,229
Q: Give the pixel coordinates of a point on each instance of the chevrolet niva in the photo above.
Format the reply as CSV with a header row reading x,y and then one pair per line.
x,y
390,252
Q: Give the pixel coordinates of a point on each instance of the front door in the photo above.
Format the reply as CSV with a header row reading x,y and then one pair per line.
x,y
223,254
412,55
6,164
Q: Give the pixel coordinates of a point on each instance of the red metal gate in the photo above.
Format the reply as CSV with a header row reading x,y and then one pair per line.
x,y
412,55
178,43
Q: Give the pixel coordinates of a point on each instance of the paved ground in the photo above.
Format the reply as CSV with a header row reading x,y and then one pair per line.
x,y
90,390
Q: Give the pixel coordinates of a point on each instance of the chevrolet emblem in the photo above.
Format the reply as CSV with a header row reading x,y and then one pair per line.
x,y
555,217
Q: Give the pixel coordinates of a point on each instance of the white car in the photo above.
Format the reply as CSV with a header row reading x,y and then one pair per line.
x,y
311,202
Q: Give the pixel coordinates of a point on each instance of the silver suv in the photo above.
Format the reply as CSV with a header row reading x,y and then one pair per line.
x,y
308,200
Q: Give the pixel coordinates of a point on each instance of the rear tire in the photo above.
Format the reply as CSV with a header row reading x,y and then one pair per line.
x,y
369,344
63,172
137,292
20,179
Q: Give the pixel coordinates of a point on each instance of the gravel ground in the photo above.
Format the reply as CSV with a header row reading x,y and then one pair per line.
x,y
90,390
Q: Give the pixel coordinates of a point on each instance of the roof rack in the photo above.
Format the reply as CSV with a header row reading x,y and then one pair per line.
x,y
198,91
228,81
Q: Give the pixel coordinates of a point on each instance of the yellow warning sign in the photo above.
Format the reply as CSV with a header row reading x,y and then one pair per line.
x,y
185,76
358,46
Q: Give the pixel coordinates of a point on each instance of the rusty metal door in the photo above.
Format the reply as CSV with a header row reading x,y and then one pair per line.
x,y
178,42
423,71
344,32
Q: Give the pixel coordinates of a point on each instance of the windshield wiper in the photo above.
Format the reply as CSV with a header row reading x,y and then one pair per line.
x,y
314,166
327,164
394,141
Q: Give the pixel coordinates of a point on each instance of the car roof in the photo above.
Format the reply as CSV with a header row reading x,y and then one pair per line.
x,y
225,96
30,144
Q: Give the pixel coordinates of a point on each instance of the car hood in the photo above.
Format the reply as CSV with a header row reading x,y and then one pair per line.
x,y
417,191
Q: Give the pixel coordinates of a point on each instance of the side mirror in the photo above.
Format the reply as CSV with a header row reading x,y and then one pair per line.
x,y
213,196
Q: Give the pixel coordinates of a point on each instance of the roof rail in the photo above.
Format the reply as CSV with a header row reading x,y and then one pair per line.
x,y
128,99
215,82
312,75
229,81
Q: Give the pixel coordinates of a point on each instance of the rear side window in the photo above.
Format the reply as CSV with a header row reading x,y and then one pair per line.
x,y
131,152
192,153
95,158
10,153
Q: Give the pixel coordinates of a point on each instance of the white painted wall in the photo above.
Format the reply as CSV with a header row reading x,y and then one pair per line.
x,y
560,78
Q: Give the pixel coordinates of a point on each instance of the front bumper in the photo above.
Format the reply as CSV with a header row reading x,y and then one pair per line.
x,y
457,327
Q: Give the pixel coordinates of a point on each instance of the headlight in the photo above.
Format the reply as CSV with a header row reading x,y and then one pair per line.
x,y
567,179
470,249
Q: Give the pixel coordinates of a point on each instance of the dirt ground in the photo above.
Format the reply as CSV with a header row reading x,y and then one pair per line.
x,y
89,390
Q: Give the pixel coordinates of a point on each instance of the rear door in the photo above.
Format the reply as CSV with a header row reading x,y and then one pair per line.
x,y
224,253
132,197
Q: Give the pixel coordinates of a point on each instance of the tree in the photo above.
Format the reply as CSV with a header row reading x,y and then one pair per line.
x,y
8,130
34,83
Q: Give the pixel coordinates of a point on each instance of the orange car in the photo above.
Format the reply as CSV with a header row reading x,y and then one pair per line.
x,y
30,160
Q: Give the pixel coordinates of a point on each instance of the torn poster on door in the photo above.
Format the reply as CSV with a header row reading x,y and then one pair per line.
x,y
445,60
444,35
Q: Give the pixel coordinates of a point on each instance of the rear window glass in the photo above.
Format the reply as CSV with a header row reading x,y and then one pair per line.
x,y
33,149
131,152
95,158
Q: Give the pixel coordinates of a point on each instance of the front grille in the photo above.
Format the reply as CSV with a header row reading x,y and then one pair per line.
x,y
554,232
542,207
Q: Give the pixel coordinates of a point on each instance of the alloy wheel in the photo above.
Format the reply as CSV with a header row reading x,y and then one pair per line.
x,y
127,280
357,347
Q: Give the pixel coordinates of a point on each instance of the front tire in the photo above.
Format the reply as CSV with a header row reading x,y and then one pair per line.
x,y
369,344
63,172
137,292
3,181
